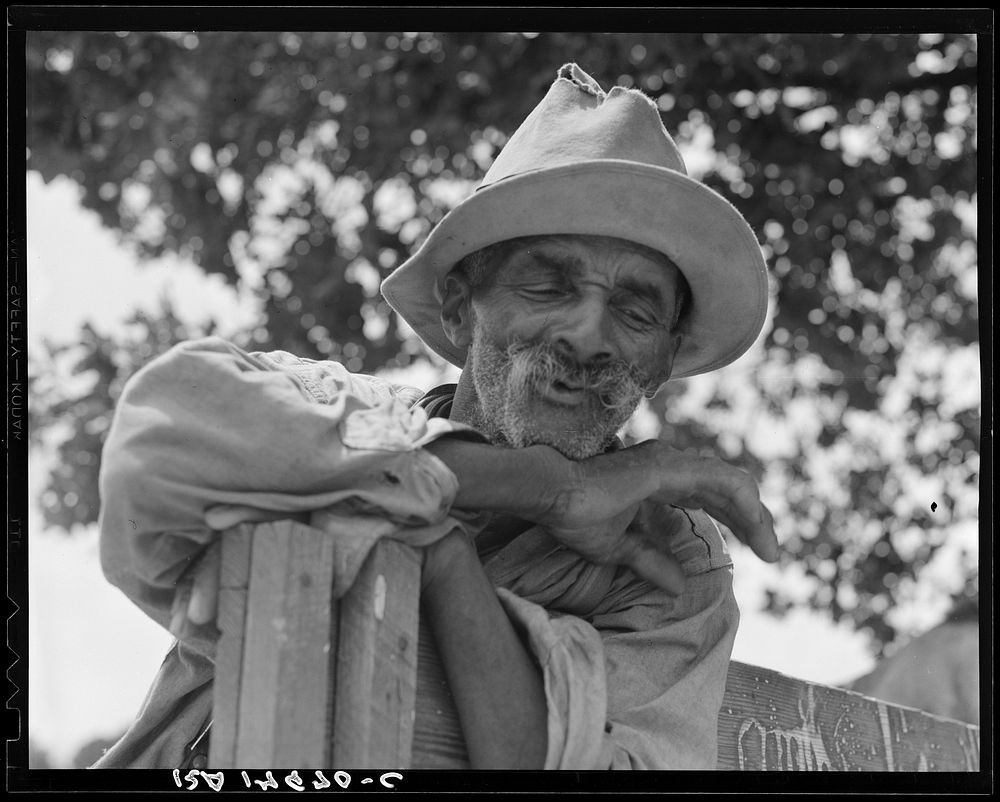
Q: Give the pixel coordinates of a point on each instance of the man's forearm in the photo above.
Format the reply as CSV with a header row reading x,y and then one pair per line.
x,y
494,679
520,482
584,503
590,507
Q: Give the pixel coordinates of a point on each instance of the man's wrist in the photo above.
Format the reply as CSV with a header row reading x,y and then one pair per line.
x,y
443,559
516,481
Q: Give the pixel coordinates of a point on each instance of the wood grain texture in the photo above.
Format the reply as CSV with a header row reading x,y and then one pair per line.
x,y
309,628
305,682
288,645
262,642
376,666
770,722
438,741
234,577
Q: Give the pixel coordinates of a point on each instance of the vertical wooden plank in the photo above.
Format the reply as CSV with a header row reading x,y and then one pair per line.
x,y
262,644
438,740
234,576
306,668
282,720
377,661
288,653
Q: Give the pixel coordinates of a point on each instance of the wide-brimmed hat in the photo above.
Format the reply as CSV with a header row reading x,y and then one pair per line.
x,y
589,162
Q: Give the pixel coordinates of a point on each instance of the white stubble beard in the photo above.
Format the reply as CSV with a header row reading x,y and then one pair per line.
x,y
506,386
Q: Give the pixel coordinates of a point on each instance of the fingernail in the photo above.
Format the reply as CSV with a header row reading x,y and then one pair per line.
x,y
196,609
177,623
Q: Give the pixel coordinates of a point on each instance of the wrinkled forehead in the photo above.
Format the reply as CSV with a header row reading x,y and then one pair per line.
x,y
572,242
577,255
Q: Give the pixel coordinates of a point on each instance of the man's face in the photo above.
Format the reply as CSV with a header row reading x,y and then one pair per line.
x,y
567,334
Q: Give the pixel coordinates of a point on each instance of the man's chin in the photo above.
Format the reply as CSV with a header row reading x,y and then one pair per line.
x,y
572,431
572,442
575,449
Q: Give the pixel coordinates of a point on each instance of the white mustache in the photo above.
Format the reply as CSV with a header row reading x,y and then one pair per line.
x,y
617,384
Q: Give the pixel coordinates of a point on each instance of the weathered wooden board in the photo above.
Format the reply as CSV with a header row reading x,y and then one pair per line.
x,y
305,682
771,722
282,719
262,646
768,722
438,742
309,637
376,666
234,578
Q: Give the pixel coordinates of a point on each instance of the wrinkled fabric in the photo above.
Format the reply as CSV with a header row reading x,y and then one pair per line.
x,y
209,435
633,677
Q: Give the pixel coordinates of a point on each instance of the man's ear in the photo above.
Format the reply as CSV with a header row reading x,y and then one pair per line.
x,y
456,309
676,338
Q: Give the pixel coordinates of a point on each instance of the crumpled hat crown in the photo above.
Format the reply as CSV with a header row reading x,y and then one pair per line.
x,y
579,121
589,162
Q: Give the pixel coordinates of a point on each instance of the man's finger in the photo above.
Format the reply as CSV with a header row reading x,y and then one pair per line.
x,y
648,555
651,558
759,536
178,610
743,519
204,602
704,482
732,497
659,569
765,544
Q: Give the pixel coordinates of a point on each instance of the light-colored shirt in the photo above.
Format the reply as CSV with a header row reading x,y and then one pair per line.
x,y
209,436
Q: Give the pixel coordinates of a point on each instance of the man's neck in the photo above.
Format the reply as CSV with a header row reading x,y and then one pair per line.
x,y
501,529
465,407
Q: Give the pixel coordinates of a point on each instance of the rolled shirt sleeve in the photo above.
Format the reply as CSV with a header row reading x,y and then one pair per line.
x,y
570,654
666,684
634,678
208,435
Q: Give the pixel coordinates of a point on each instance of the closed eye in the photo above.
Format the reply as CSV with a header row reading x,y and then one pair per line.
x,y
636,317
544,291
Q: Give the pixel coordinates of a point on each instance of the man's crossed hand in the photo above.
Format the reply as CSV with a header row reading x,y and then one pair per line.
x,y
609,508
612,508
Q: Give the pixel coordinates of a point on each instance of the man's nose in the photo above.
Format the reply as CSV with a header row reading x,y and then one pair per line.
x,y
582,332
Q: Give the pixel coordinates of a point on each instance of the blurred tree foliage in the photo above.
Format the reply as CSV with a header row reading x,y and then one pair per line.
x,y
311,164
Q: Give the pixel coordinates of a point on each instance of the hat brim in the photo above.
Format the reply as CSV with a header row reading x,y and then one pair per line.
x,y
698,229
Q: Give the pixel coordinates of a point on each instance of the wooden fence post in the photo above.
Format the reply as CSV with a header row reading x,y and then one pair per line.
x,y
273,709
376,664
305,682
234,578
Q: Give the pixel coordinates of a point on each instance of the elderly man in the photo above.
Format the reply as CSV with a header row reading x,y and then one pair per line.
x,y
579,592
